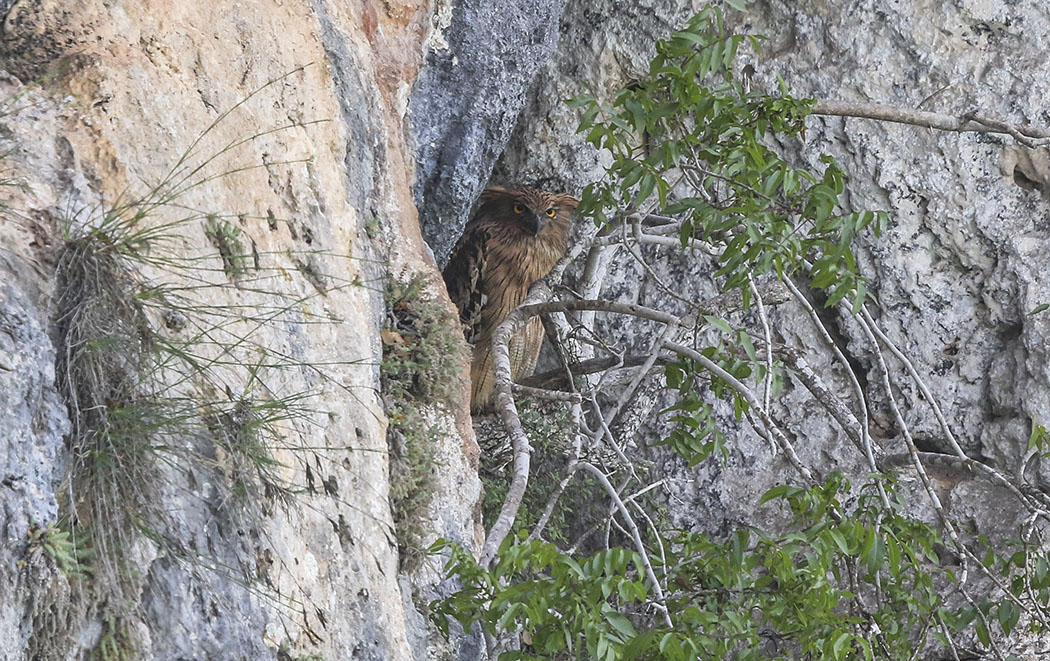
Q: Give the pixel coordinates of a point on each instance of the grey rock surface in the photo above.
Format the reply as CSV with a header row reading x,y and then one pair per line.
x,y
953,271
33,423
481,60
957,269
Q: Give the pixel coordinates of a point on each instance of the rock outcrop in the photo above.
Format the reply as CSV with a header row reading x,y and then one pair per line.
x,y
295,114
482,58
319,129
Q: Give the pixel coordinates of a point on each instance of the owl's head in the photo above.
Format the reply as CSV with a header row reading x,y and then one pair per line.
x,y
529,209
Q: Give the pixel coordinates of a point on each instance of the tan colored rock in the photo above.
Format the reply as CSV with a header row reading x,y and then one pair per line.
x,y
295,112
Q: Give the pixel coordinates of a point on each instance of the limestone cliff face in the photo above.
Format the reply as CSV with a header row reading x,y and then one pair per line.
x,y
103,100
467,99
347,117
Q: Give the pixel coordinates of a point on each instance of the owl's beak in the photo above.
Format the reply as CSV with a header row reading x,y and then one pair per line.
x,y
534,223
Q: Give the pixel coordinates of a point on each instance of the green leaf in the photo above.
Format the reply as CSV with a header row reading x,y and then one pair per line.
x,y
840,541
575,566
982,634
621,624
719,323
645,189
1009,614
631,173
1037,439
666,640
779,491
839,646
579,100
602,647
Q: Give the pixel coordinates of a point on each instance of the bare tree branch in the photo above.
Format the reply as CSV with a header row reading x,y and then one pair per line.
x,y
631,309
511,421
767,335
931,493
919,382
543,393
858,391
556,378
532,306
820,391
1029,136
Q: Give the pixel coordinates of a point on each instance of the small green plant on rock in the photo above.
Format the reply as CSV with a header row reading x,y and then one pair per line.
x,y
145,395
228,239
285,653
423,346
72,556
423,358
116,643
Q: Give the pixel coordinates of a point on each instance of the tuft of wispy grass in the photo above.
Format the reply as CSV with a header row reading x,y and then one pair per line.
x,y
105,347
165,371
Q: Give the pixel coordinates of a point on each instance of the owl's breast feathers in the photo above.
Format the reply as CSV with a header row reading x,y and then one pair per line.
x,y
490,272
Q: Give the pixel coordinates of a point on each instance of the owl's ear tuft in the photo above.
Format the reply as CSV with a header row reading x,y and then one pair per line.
x,y
492,193
568,202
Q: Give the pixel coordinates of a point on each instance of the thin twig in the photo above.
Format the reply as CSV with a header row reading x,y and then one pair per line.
x,y
926,394
637,537
745,392
858,391
557,378
767,382
606,433
667,334
822,393
543,393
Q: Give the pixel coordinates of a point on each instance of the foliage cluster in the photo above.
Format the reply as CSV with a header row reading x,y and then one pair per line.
x,y
692,140
807,592
704,127
115,644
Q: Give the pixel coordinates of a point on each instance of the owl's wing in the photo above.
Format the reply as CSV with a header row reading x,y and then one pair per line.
x,y
464,278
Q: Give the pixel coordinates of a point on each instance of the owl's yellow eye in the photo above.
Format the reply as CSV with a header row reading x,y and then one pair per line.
x,y
551,212
519,209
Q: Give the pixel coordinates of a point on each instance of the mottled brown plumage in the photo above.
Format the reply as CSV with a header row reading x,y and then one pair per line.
x,y
513,240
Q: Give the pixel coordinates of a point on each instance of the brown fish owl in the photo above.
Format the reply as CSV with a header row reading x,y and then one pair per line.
x,y
514,238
